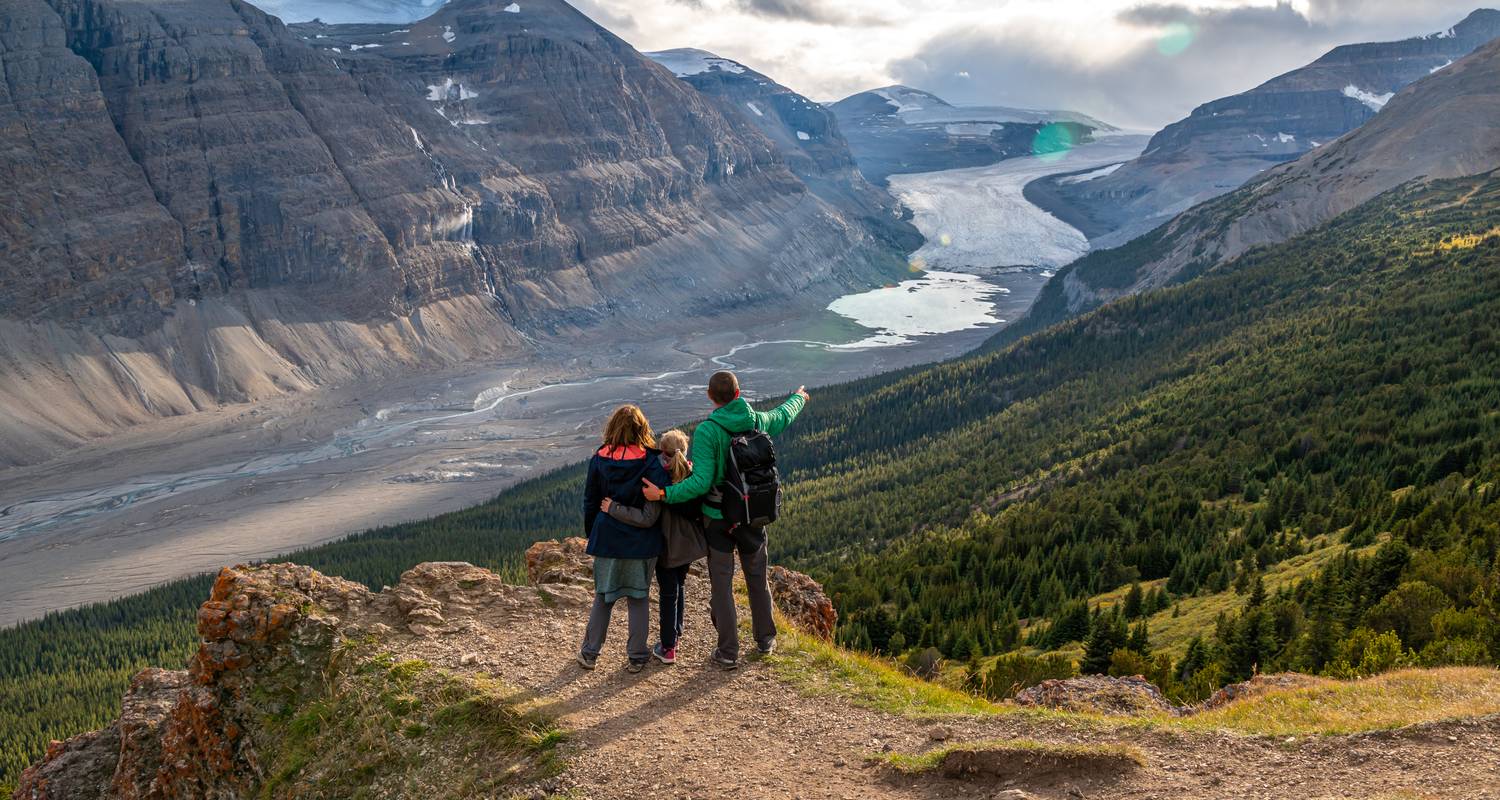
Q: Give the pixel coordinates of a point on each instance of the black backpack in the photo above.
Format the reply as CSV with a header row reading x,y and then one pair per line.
x,y
751,491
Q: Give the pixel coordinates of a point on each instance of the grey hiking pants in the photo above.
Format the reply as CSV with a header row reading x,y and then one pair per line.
x,y
639,611
750,543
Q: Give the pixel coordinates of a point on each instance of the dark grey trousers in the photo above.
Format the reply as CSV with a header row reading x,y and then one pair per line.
x,y
639,612
750,543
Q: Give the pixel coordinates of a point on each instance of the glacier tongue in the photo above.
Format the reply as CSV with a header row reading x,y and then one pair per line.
x,y
977,220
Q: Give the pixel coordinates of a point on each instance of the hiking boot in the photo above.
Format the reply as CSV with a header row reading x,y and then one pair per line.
x,y
768,648
635,666
666,655
725,663
587,661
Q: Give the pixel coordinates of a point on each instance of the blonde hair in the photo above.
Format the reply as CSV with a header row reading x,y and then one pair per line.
x,y
626,427
674,444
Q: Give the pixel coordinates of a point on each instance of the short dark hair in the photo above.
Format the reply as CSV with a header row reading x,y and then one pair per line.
x,y
723,387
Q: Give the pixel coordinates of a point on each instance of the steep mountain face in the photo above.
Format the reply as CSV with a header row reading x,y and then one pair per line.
x,y
1226,142
214,207
806,133
1442,126
899,129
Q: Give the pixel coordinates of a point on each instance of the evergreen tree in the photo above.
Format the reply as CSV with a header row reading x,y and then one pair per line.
x,y
1134,601
1107,635
1140,639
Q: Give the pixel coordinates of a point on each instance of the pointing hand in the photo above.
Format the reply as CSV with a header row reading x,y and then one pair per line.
x,y
652,491
802,392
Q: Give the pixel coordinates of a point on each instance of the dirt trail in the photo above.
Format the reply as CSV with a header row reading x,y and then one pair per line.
x,y
694,731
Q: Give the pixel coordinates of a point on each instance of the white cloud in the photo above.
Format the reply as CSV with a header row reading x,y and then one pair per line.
x,y
1133,62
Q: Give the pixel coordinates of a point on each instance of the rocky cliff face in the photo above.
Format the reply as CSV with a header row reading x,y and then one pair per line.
x,y
1226,142
212,206
305,685
807,134
899,129
1441,126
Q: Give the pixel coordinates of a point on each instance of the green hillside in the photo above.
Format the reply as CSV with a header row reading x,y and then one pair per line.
x,y
1298,448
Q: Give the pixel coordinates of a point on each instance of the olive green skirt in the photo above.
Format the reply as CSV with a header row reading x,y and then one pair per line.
x,y
623,577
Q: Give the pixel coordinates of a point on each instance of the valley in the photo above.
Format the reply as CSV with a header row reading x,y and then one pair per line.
x,y
186,495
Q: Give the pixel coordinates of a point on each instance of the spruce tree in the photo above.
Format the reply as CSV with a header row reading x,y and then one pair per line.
x,y
1108,635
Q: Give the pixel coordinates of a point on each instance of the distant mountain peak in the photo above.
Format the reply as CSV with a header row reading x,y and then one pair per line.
x,y
685,61
1481,19
905,98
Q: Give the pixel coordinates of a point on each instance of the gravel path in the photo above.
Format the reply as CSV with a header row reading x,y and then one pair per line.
x,y
693,731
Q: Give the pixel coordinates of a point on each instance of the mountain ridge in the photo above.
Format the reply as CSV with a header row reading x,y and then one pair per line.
x,y
1226,142
1450,106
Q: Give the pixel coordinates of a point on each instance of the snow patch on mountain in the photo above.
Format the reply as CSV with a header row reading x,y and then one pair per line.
x,y
972,128
1374,101
449,90
907,100
338,12
755,108
685,61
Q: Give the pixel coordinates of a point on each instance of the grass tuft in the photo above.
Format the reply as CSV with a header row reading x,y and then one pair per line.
x,y
1382,702
919,763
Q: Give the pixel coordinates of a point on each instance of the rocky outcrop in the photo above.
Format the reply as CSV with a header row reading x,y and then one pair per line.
x,y
1099,694
209,206
1228,141
266,633
802,600
560,561
898,129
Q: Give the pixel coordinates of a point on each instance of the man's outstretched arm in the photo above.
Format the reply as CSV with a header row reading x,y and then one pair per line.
x,y
777,419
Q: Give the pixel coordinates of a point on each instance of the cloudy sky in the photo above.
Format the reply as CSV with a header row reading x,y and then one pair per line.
x,y
1131,62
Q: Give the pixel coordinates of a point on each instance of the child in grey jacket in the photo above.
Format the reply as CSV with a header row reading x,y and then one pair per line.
x,y
682,528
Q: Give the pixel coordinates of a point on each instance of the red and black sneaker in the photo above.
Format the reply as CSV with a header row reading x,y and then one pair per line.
x,y
666,656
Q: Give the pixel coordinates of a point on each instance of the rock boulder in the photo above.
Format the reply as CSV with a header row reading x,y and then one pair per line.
x,y
1099,694
803,601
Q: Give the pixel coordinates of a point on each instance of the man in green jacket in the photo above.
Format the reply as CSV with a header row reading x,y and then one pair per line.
x,y
731,415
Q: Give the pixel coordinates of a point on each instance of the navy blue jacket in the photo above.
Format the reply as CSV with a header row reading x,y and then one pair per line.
x,y
620,481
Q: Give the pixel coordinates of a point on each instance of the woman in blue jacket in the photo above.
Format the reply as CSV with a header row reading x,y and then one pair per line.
x,y
624,555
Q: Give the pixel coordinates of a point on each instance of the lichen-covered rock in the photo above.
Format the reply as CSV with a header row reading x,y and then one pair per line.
x,y
560,562
151,700
271,639
1100,694
77,769
265,633
803,601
